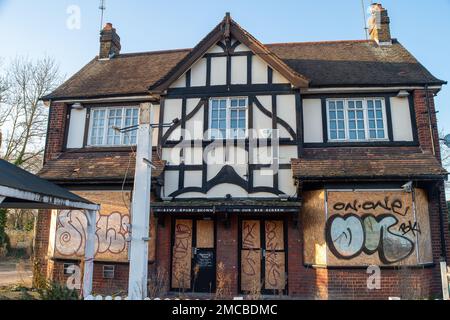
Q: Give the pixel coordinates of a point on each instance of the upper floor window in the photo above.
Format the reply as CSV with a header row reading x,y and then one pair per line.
x,y
228,118
104,120
356,119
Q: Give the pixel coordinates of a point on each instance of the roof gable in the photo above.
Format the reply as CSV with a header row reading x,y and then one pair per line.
x,y
224,31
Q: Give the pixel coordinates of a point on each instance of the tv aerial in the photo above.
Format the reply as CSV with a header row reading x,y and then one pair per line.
x,y
102,8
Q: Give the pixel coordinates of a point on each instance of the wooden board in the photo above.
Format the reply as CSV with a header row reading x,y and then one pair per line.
x,y
357,220
152,242
112,222
250,270
251,234
423,222
313,218
182,255
274,235
205,234
275,270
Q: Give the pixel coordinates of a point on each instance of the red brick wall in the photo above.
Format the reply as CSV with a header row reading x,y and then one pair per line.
x,y
56,130
227,251
41,244
423,127
163,247
116,286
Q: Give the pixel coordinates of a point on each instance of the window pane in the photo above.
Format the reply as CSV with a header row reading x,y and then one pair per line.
x,y
332,115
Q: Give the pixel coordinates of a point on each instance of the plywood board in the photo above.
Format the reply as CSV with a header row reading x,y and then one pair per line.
x,y
205,234
182,255
275,271
423,227
250,270
251,234
370,228
313,218
111,233
274,235
152,242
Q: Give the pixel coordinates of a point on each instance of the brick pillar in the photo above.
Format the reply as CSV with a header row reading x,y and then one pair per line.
x,y
163,247
55,131
42,266
423,127
227,250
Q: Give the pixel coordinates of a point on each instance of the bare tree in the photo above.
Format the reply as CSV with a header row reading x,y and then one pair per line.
x,y
445,157
25,115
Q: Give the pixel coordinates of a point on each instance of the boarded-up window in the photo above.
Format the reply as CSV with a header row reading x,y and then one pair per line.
x,y
182,255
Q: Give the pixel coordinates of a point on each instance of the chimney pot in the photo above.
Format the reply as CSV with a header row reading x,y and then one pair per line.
x,y
379,28
109,42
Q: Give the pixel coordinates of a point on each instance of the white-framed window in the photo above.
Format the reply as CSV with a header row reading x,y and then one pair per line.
x,y
66,267
228,118
103,120
108,272
359,119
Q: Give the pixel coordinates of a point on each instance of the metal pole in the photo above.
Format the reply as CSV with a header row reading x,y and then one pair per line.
x,y
89,252
140,209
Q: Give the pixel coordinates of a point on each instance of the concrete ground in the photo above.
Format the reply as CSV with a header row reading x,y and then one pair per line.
x,y
15,272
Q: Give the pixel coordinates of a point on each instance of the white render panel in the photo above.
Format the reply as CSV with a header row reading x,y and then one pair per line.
x,y
170,183
180,82
287,153
222,190
263,178
286,110
401,119
278,78
171,155
218,71
242,48
192,179
198,73
286,182
261,122
215,49
194,126
239,70
77,123
193,155
312,121
172,110
155,120
259,70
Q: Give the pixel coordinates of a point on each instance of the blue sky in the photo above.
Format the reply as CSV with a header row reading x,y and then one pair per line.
x,y
38,28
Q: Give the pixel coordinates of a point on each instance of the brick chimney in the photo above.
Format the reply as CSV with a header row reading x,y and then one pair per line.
x,y
379,29
109,42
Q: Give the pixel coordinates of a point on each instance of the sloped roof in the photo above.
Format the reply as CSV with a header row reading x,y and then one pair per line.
x,y
368,163
354,63
18,179
103,166
125,74
324,64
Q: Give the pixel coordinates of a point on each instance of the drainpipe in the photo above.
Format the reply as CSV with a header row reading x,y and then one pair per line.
x,y
427,97
441,213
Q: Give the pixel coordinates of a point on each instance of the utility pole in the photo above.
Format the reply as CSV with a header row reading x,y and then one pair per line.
x,y
140,208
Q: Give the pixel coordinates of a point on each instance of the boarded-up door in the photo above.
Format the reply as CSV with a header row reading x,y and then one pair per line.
x,y
193,255
263,256
182,255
